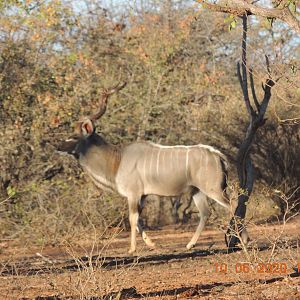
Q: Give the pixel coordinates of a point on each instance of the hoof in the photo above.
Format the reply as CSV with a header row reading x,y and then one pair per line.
x,y
245,237
190,246
131,251
151,245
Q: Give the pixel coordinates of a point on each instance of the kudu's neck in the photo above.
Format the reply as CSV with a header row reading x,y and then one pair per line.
x,y
100,160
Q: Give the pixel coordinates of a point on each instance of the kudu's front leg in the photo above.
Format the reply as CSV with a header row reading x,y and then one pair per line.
x,y
134,211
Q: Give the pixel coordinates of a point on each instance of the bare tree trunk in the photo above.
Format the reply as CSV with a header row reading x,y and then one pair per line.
x,y
256,120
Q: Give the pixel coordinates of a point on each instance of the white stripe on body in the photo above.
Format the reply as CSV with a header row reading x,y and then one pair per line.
x,y
145,164
150,166
157,163
171,159
186,163
210,148
178,161
100,180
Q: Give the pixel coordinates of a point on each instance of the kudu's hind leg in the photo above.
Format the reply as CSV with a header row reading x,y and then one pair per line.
x,y
135,208
200,200
223,199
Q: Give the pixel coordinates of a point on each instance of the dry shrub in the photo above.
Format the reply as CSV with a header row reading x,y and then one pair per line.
x,y
182,89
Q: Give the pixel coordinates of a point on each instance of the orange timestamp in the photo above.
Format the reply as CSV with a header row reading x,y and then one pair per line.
x,y
263,268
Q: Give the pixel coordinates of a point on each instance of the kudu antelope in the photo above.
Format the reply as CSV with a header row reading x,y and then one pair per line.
x,y
144,168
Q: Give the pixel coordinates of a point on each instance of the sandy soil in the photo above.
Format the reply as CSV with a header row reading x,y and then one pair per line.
x,y
102,269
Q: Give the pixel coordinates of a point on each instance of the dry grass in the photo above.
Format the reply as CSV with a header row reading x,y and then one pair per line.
x,y
100,268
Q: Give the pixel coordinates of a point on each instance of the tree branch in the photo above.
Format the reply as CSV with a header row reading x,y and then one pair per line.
x,y
253,90
267,91
244,78
241,7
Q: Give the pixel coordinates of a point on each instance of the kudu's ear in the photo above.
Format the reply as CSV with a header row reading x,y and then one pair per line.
x,y
87,127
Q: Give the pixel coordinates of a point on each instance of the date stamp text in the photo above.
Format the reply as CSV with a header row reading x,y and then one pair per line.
x,y
262,268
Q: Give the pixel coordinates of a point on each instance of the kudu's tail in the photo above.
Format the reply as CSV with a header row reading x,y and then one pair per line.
x,y
224,183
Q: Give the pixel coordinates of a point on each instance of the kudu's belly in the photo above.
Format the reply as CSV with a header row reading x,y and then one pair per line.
x,y
158,181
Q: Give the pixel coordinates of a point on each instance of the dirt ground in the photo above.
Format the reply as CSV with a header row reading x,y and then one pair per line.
x,y
102,269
